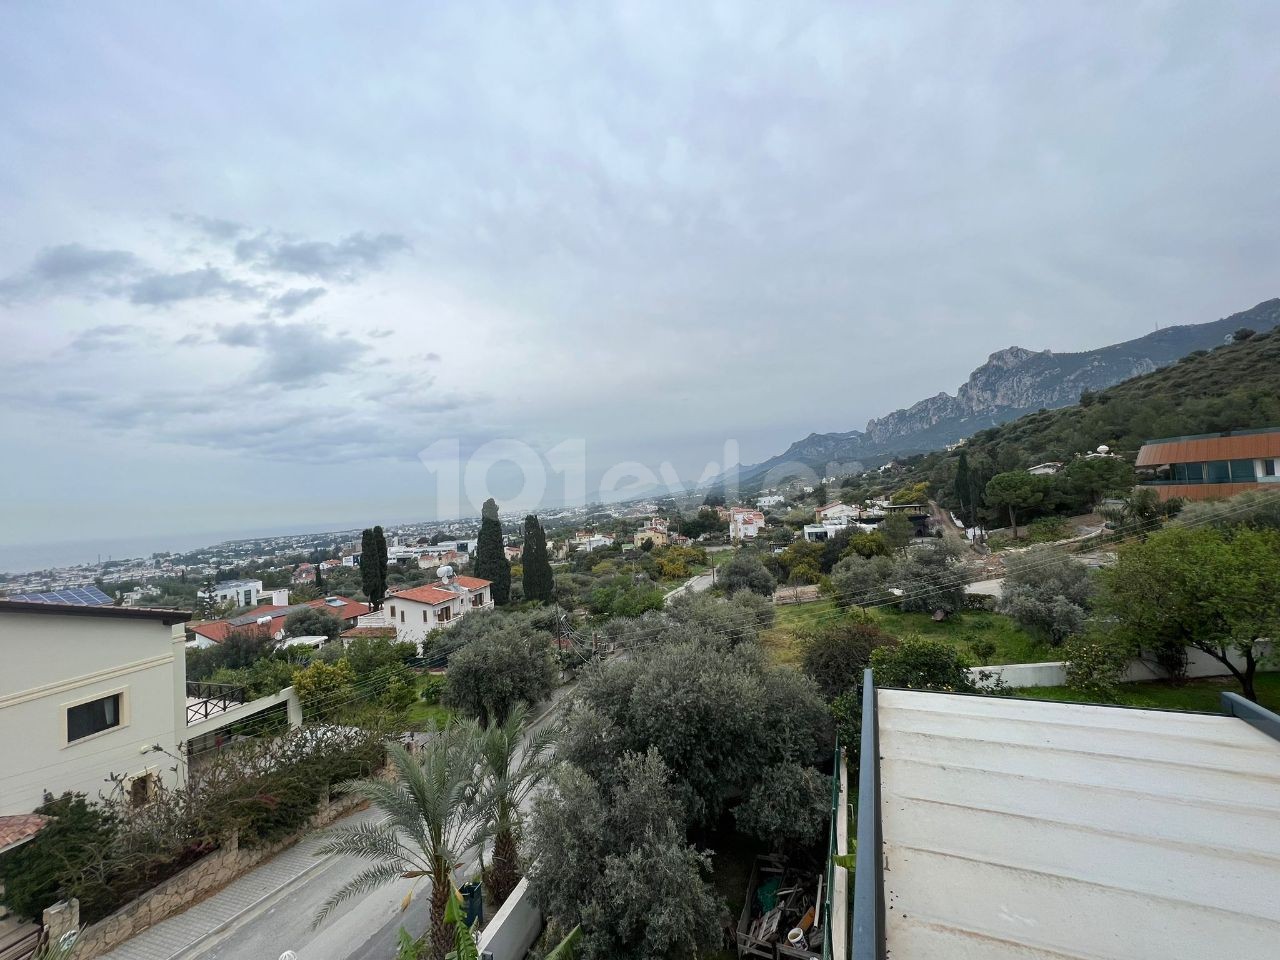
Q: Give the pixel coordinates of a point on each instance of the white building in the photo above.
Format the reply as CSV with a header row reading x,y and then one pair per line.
x,y
745,524
419,610
240,593
772,500
836,511
84,693
590,542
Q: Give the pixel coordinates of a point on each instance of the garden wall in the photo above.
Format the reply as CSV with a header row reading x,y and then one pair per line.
x,y
203,877
514,928
1054,673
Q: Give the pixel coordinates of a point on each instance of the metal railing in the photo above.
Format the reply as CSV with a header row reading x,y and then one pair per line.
x,y
1257,716
832,851
867,930
212,699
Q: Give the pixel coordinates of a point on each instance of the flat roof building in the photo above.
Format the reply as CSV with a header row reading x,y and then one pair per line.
x,y
1020,829
1211,466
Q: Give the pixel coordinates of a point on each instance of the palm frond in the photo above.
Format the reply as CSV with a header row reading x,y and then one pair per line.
x,y
363,882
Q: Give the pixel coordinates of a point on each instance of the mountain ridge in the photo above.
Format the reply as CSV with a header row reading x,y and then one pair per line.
x,y
1013,381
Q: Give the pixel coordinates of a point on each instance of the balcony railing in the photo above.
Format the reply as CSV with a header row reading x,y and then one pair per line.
x,y
212,699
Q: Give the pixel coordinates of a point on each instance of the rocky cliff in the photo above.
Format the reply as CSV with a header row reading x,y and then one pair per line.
x,y
1012,382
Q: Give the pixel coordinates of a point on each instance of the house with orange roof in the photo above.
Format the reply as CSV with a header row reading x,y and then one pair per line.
x,y
417,611
269,618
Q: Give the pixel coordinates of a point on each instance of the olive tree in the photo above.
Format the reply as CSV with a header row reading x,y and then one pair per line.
x,y
613,859
1046,591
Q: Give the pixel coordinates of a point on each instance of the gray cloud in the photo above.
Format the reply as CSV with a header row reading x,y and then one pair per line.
x,y
161,289
215,228
110,337
71,268
294,355
291,301
340,262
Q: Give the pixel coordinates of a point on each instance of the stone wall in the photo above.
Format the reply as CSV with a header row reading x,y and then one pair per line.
x,y
205,876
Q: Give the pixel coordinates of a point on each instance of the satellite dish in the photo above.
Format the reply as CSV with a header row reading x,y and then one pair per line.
x,y
445,572
1104,449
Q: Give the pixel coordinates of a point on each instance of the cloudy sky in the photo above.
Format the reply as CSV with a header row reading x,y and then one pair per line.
x,y
255,258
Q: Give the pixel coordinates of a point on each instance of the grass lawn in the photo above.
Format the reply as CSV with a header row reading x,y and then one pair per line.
x,y
1012,643
1192,695
425,716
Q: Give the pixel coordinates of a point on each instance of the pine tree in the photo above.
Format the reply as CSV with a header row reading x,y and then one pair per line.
x,y
964,489
539,582
491,556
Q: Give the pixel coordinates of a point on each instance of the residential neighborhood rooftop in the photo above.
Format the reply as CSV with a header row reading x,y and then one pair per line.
x,y
1031,829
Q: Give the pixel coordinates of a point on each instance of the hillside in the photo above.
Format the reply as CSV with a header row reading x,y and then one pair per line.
x,y
1013,382
1232,387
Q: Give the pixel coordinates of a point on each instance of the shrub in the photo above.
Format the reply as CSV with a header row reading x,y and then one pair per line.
x,y
922,663
35,875
1095,667
746,572
835,654
433,685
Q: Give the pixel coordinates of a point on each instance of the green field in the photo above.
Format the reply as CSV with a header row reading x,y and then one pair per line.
x,y
1012,643
1191,695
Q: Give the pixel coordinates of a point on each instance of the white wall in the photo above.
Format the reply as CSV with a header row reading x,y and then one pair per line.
x,y
1054,673
52,661
514,927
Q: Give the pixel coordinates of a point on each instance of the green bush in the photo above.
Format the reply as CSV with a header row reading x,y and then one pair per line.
x,y
432,689
35,875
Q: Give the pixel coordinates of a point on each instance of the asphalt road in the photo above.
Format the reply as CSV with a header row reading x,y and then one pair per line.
x,y
363,927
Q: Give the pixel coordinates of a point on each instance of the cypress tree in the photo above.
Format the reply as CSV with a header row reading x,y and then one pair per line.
x,y
539,582
319,578
380,548
491,556
964,489
371,576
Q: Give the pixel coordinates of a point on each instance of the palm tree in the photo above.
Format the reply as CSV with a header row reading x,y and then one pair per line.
x,y
511,767
430,821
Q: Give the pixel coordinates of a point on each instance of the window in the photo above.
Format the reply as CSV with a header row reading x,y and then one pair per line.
x,y
1269,468
1242,471
443,614
86,719
392,608
1195,473
1219,471
402,616
424,616
1180,473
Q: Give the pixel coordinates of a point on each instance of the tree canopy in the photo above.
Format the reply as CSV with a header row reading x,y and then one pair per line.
x,y
1203,589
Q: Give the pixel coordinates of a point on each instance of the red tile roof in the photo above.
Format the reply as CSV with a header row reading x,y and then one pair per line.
x,y
19,828
425,594
348,611
217,630
432,593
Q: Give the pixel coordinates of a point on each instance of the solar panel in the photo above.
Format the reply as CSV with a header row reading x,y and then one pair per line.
x,y
88,596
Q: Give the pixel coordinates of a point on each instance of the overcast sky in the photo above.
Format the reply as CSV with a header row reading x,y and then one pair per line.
x,y
255,257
